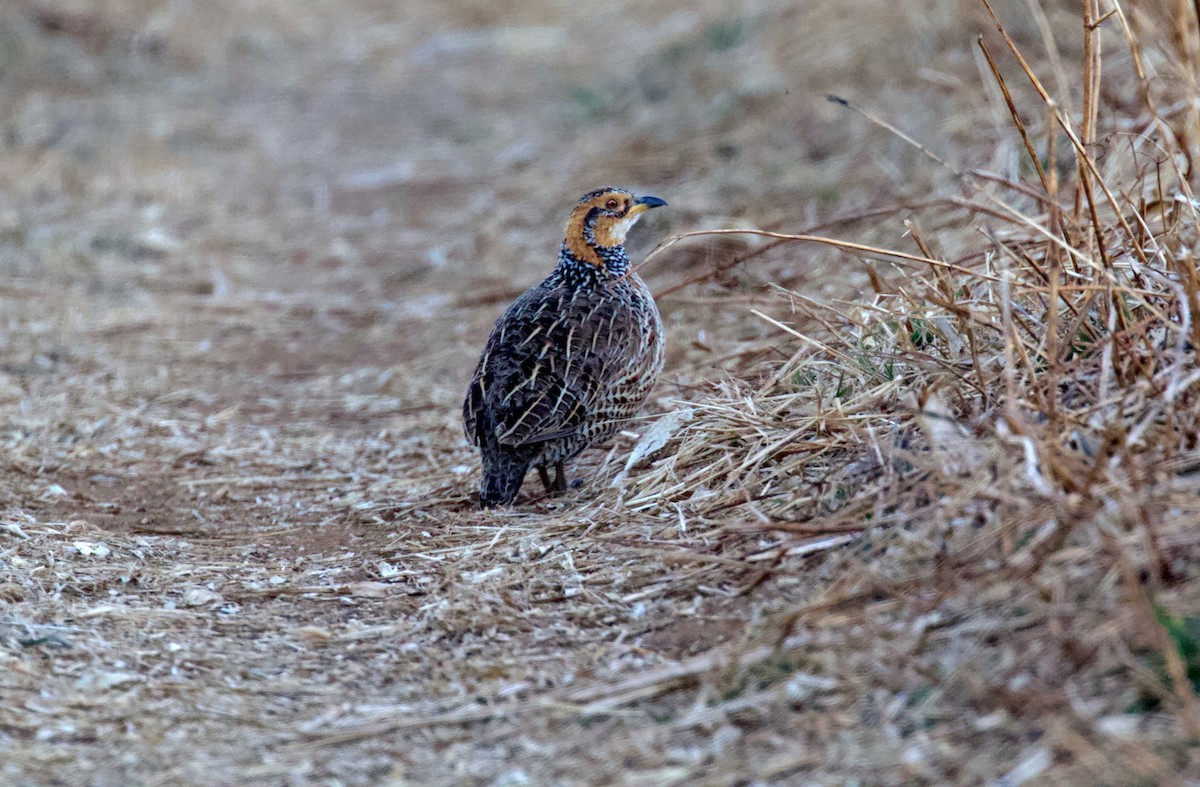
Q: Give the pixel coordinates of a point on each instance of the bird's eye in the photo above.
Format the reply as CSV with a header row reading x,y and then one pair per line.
x,y
611,204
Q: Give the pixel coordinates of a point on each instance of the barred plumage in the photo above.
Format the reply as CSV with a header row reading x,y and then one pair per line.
x,y
571,359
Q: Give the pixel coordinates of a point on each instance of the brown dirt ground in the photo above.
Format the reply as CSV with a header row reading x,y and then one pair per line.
x,y
250,254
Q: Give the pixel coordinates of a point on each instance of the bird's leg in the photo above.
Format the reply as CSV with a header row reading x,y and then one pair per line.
x,y
560,478
545,476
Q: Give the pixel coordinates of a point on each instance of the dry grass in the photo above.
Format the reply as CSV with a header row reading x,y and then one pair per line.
x,y
916,508
1010,435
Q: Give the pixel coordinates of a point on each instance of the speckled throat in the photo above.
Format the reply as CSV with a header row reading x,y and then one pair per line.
x,y
583,254
576,272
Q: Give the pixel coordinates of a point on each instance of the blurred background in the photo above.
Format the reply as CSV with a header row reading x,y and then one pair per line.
x,y
382,177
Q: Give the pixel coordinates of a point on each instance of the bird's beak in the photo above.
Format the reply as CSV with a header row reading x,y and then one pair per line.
x,y
644,204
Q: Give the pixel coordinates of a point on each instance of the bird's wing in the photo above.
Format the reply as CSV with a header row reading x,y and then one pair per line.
x,y
548,360
472,407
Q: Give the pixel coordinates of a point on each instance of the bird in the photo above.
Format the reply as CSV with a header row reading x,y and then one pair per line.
x,y
571,359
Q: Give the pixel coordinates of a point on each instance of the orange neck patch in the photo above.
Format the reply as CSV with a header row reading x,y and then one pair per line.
x,y
577,240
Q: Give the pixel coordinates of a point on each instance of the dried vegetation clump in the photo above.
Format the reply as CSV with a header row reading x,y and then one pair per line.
x,y
1006,438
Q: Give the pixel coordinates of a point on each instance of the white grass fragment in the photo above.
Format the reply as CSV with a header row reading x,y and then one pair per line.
x,y
90,549
201,597
1032,765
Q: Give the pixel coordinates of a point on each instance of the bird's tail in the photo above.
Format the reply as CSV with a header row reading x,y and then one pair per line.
x,y
504,467
503,474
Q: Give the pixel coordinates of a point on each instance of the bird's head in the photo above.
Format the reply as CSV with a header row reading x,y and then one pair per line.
x,y
598,224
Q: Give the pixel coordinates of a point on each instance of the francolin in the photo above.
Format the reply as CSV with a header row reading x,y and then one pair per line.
x,y
571,359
